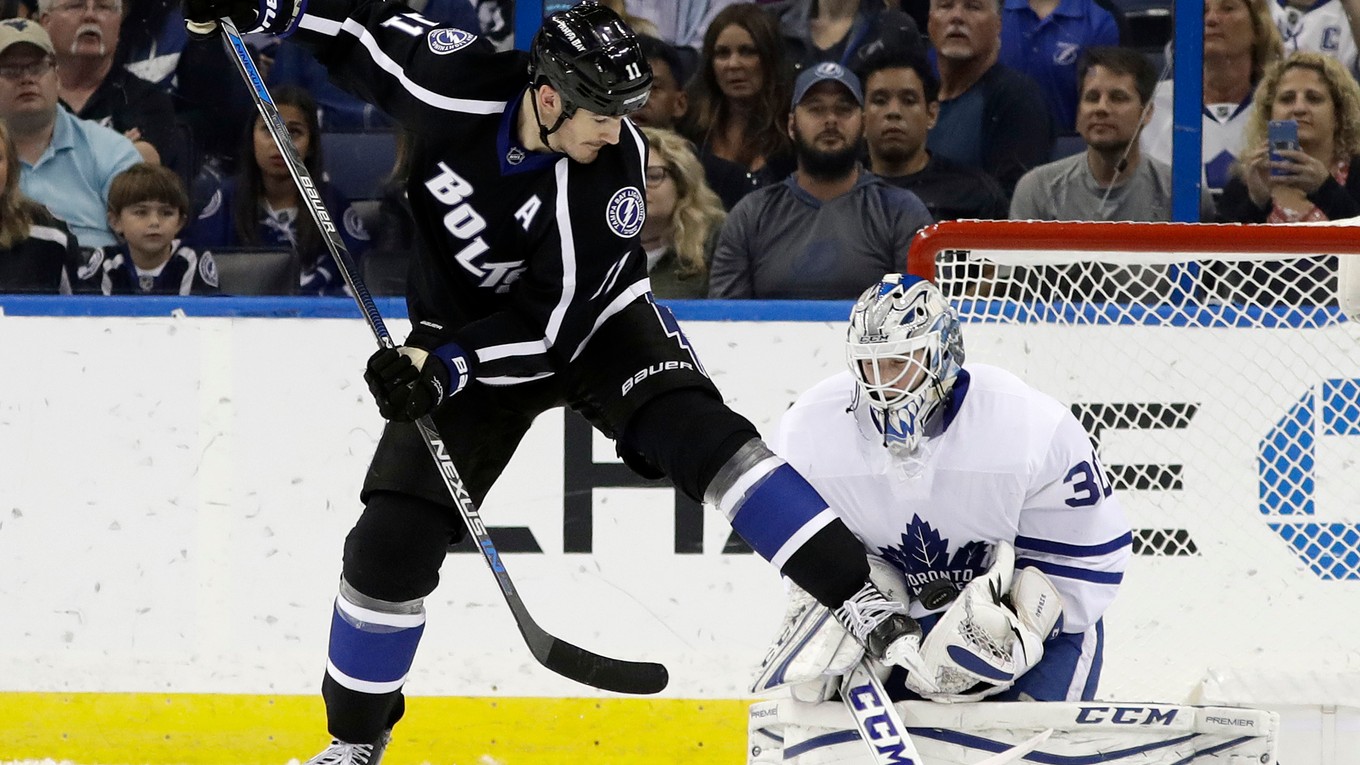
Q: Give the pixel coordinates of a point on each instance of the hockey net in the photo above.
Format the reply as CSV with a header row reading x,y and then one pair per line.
x,y
1217,370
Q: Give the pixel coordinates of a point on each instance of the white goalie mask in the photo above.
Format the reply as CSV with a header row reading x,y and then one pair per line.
x,y
905,349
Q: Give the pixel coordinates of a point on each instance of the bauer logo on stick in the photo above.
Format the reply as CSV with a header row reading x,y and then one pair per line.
x,y
445,41
625,213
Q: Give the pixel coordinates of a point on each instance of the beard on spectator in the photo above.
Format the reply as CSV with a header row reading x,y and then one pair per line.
x,y
826,165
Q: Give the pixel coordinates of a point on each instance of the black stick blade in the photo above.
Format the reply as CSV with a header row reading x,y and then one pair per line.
x,y
576,663
617,675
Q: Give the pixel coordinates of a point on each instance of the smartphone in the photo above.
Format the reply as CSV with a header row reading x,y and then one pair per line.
x,y
1282,134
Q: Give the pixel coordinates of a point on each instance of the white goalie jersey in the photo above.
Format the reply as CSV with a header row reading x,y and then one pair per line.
x,y
1011,464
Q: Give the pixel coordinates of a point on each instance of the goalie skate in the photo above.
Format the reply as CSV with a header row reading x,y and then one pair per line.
x,y
340,753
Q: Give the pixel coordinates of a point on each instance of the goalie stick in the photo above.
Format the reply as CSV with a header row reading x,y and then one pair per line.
x,y
558,655
883,732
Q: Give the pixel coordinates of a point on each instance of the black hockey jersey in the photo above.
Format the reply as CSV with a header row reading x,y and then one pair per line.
x,y
528,253
43,261
110,271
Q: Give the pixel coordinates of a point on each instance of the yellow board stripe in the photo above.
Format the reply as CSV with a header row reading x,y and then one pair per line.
x,y
219,729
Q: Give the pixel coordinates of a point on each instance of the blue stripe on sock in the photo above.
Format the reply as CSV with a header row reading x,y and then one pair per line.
x,y
375,657
1088,693
776,509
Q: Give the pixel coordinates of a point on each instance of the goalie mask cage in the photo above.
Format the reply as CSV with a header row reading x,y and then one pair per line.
x,y
1217,371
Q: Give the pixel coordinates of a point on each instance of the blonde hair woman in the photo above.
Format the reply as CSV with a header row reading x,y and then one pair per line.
x,y
683,218
37,251
1240,42
1316,182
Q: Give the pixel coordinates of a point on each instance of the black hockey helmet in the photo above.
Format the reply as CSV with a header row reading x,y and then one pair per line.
x,y
592,58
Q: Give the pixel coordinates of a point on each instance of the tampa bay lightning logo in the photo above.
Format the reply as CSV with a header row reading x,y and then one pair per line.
x,y
92,264
829,69
924,557
1066,53
447,40
207,269
626,213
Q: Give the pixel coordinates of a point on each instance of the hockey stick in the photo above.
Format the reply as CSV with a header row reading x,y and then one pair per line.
x,y
557,655
882,729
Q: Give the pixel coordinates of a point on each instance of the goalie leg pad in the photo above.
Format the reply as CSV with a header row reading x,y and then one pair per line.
x,y
960,734
812,649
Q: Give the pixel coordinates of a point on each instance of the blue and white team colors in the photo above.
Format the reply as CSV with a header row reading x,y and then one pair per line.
x,y
1011,464
1220,137
1320,28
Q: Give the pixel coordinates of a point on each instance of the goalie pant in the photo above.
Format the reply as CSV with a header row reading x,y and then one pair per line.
x,y
800,733
535,269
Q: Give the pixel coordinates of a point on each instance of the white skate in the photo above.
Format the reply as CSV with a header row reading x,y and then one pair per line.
x,y
340,753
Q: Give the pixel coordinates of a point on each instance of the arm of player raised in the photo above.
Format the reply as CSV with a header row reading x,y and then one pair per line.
x,y
409,66
1073,528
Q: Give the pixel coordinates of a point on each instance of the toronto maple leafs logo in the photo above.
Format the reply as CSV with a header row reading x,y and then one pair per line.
x,y
923,556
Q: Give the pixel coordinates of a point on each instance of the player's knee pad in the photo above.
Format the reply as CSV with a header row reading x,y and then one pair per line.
x,y
686,435
395,550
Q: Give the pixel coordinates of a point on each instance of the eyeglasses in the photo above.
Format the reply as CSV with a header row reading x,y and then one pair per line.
x,y
17,72
103,8
657,175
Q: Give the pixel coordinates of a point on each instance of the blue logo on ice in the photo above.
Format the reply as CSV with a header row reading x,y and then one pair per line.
x,y
625,212
448,40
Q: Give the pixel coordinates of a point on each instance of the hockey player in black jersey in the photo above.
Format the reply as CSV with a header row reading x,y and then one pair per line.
x,y
526,183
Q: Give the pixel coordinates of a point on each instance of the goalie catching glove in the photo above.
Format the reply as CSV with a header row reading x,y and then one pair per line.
x,y
992,635
412,380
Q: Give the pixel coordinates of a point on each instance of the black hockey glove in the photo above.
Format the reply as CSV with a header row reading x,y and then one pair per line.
x,y
272,16
405,394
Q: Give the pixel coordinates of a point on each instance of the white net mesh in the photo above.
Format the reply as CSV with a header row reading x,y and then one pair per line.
x,y
1221,385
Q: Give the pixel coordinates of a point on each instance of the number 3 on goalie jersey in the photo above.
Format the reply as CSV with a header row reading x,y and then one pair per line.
x,y
1089,483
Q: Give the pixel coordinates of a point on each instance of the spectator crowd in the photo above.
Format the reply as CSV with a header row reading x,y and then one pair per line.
x,y
797,146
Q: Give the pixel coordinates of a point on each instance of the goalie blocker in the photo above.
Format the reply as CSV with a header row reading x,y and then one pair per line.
x,y
792,731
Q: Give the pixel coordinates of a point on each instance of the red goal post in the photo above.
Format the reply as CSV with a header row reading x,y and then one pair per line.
x,y
1126,237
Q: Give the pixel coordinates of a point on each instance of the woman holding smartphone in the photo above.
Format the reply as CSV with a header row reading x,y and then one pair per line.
x,y
1317,180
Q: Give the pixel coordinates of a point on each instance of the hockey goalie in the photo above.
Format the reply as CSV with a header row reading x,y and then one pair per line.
x,y
996,544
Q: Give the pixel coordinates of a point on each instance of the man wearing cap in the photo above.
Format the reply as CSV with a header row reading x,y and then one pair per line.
x,y
831,228
85,35
65,163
